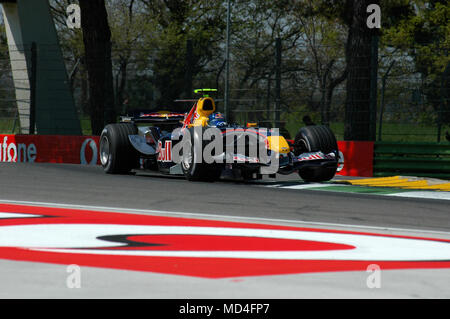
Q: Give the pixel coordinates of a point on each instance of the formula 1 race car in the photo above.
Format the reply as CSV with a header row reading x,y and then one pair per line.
x,y
201,145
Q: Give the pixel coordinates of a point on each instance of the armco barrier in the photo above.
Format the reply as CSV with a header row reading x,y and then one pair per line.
x,y
412,159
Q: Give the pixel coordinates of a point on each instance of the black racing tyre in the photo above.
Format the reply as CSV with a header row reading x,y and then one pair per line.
x,y
117,155
313,139
193,166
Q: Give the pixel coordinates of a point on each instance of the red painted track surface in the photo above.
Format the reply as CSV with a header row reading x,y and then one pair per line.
x,y
49,219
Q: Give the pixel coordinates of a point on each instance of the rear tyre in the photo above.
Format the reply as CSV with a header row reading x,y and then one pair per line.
x,y
313,139
117,155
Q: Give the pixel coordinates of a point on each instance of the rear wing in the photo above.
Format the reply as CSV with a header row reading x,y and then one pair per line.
x,y
154,117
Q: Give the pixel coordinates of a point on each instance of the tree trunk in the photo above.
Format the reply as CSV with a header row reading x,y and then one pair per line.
x,y
97,43
334,82
84,96
358,57
122,85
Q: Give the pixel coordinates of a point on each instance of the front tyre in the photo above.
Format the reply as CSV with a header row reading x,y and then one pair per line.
x,y
117,155
192,163
313,139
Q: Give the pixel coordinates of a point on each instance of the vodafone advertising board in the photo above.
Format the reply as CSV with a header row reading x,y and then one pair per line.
x,y
49,149
358,156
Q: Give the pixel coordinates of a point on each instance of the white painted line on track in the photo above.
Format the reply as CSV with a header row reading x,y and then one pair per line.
x,y
304,186
186,214
424,194
15,215
397,192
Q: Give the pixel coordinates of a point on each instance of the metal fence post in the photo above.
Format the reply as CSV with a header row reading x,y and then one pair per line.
x,y
269,84
441,104
383,92
33,71
16,116
373,88
277,81
188,75
227,110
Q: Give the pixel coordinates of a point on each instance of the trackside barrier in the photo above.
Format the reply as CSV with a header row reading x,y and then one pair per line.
x,y
85,150
412,159
49,149
358,158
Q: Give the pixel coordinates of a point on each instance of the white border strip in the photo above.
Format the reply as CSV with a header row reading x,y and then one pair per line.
x,y
424,194
304,186
186,214
16,215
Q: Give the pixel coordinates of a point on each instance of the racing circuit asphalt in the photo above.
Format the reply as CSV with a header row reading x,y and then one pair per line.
x,y
89,185
154,194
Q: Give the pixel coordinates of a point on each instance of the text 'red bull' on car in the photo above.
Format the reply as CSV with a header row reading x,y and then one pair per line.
x,y
201,145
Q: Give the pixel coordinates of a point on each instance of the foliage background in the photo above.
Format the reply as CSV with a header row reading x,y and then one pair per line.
x,y
151,60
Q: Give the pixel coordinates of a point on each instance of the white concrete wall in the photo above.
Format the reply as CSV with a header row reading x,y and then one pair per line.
x,y
29,21
18,63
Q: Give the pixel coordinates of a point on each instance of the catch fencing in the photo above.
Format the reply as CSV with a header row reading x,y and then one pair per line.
x,y
279,90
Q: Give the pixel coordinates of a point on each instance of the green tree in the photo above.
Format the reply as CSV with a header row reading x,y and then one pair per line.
x,y
133,50
178,21
97,44
256,26
91,48
425,36
359,118
323,44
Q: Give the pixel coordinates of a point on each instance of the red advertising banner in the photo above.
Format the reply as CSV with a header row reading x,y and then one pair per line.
x,y
49,149
358,158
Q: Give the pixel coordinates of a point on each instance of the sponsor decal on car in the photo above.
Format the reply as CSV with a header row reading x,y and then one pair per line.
x,y
162,115
315,156
245,159
164,153
310,156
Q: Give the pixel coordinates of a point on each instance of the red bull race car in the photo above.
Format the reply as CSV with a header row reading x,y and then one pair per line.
x,y
201,145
